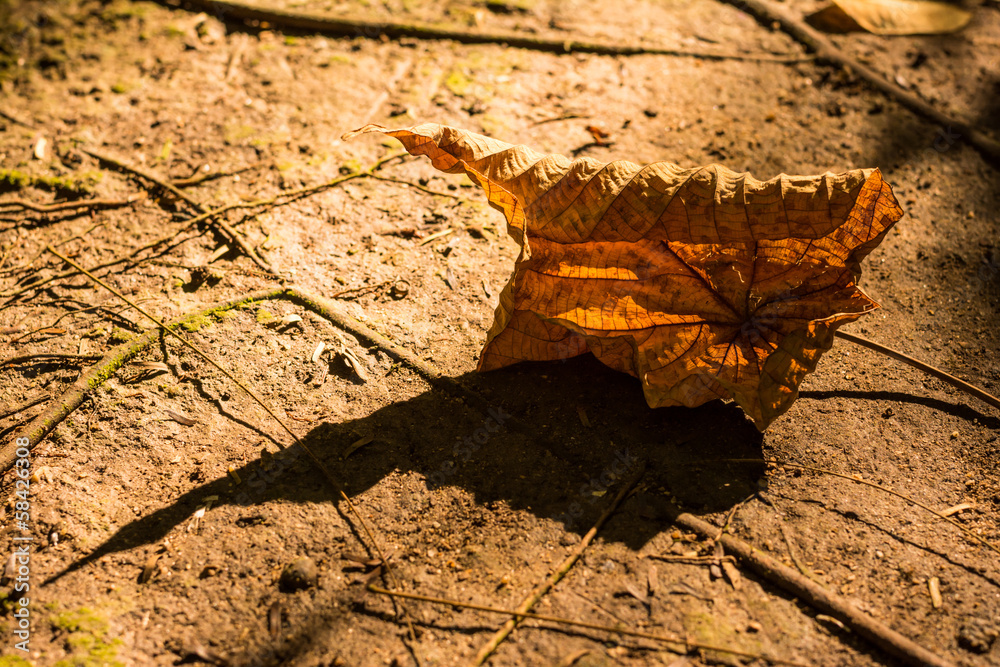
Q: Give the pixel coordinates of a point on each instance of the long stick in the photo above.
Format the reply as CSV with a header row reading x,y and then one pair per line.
x,y
667,638
536,595
332,25
927,368
815,595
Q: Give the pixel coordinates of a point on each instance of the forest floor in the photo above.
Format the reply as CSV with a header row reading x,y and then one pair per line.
x,y
165,508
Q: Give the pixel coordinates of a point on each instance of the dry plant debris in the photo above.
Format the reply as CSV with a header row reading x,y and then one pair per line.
x,y
703,283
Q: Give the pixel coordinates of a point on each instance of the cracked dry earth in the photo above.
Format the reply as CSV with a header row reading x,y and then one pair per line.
x,y
165,508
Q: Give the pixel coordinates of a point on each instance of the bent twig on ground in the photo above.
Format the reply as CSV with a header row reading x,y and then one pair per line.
x,y
229,10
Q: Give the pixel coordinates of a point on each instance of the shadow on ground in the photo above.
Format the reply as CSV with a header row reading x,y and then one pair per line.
x,y
542,458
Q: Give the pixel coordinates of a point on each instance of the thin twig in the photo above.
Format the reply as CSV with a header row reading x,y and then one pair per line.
x,y
825,50
319,23
792,551
211,176
486,651
14,119
693,560
190,223
815,595
46,355
417,186
299,192
67,205
927,368
965,531
666,638
153,178
24,406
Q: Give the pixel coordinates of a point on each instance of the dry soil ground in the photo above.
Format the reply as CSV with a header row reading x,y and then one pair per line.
x,y
176,92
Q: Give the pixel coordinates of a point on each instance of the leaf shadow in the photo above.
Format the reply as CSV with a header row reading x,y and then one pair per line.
x,y
553,466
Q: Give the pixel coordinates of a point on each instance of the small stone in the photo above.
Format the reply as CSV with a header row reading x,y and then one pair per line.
x,y
569,539
300,574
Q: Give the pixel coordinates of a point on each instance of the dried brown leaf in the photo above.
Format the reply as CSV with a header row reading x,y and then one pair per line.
x,y
702,282
893,17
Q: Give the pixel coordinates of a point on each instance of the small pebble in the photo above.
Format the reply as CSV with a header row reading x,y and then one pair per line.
x,y
300,574
569,539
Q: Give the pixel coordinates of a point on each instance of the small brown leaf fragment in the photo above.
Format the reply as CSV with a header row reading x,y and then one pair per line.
x,y
181,419
715,568
934,588
450,279
583,416
152,366
355,365
317,352
638,594
319,374
149,569
732,574
274,620
598,134
356,445
961,507
360,559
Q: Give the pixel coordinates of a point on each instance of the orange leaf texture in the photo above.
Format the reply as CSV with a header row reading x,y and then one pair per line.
x,y
701,282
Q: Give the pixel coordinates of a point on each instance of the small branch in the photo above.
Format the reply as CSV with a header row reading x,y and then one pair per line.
x,y
211,176
67,205
825,50
536,595
32,357
815,595
684,644
294,194
965,531
18,121
927,368
221,224
417,186
330,25
30,404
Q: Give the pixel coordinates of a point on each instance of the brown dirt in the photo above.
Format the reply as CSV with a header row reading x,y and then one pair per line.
x,y
173,90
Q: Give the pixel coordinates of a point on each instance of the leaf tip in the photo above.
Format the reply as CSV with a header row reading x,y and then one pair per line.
x,y
370,127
